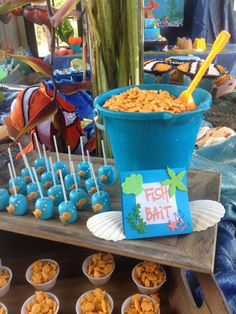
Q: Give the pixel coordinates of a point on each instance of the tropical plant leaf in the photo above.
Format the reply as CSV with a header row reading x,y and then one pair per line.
x,y
65,30
10,5
166,182
47,112
172,190
71,88
36,64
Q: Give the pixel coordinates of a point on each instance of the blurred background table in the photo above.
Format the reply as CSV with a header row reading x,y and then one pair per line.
x,y
227,57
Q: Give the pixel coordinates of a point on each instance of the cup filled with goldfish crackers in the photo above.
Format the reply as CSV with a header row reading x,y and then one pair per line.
x,y
5,279
41,302
95,301
148,277
140,303
3,309
98,268
42,274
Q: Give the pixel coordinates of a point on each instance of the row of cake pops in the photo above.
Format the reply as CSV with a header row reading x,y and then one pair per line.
x,y
36,191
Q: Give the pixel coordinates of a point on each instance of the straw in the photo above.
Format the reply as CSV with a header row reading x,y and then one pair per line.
x,y
26,163
52,171
45,157
82,148
63,186
94,178
69,155
104,153
37,182
37,144
11,162
12,179
56,148
73,173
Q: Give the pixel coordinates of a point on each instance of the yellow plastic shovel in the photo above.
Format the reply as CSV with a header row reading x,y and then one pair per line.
x,y
219,44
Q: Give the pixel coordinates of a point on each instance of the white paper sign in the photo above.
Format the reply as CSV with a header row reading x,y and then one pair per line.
x,y
156,205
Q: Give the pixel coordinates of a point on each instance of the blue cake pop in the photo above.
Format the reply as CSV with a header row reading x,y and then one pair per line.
x,y
18,204
67,210
46,177
78,196
44,207
106,173
83,166
69,178
33,191
55,192
4,199
90,185
39,163
59,164
25,175
101,202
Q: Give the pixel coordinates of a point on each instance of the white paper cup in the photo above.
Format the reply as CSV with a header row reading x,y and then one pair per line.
x,y
6,288
127,302
51,295
96,281
42,286
108,297
148,290
4,306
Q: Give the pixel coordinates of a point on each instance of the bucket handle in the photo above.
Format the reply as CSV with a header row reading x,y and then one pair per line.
x,y
96,119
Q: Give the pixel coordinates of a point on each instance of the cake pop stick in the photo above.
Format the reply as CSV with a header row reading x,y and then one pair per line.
x,y
46,177
106,172
66,209
104,153
77,196
59,164
83,166
39,163
69,178
69,157
11,162
19,181
17,203
55,192
12,178
25,172
94,178
44,207
90,183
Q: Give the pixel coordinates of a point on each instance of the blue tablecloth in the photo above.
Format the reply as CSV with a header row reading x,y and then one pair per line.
x,y
227,57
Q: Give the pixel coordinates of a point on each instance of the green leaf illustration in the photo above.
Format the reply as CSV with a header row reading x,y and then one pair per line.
x,y
174,182
136,221
133,184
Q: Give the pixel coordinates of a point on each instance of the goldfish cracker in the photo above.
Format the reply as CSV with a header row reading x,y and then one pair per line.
x,y
4,278
100,265
141,304
43,271
2,310
41,303
149,274
139,100
95,302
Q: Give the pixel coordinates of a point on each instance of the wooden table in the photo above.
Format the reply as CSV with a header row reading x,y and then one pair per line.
x,y
195,252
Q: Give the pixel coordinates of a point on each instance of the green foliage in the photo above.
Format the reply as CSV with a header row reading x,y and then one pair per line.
x,y
64,31
175,181
136,221
133,184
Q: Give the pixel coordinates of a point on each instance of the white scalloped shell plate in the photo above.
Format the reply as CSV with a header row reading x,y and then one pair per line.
x,y
109,225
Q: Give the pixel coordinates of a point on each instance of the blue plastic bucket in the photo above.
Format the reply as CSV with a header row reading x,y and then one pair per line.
x,y
155,140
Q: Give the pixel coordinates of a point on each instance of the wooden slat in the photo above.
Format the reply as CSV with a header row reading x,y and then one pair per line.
x,y
195,251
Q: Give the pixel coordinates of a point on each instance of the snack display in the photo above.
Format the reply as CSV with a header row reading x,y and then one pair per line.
x,y
4,277
3,309
95,301
140,303
100,265
101,202
139,100
41,302
4,199
148,277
